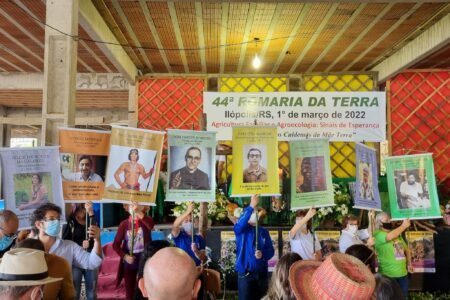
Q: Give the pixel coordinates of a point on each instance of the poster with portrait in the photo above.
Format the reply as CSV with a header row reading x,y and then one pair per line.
x,y
83,156
412,187
421,247
255,161
133,165
31,177
310,174
329,241
365,192
271,263
191,166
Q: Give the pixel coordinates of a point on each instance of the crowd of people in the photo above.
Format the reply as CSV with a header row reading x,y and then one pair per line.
x,y
158,270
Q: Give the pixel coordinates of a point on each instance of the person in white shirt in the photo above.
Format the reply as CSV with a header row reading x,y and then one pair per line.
x,y
302,240
351,235
85,173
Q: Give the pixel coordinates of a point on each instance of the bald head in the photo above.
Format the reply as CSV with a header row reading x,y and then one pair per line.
x,y
170,274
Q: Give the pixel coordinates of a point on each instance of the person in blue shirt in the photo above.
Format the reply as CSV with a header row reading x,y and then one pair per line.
x,y
182,236
251,259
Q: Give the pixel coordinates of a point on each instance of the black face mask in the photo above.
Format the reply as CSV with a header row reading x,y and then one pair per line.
x,y
387,226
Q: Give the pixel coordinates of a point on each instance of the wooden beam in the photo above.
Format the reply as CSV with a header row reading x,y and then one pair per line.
x,y
37,121
246,37
379,16
314,37
179,39
292,36
93,23
223,35
336,38
201,36
131,33
385,35
155,34
270,32
426,43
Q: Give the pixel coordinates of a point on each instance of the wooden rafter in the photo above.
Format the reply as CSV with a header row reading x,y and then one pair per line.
x,y
179,39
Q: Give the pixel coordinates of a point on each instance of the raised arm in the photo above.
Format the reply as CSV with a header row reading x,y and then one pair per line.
x,y
397,231
311,212
178,221
242,223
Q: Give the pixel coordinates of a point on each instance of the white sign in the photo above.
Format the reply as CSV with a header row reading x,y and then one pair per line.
x,y
337,116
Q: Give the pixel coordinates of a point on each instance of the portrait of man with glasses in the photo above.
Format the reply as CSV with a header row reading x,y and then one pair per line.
x,y
190,177
255,172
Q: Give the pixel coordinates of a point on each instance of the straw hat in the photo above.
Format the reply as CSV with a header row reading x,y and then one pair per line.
x,y
24,267
339,277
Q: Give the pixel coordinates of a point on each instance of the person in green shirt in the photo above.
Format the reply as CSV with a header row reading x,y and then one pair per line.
x,y
392,251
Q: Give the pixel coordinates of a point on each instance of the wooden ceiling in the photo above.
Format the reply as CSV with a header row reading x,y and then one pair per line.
x,y
219,36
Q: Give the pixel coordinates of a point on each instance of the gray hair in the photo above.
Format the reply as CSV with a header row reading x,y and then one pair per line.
x,y
378,219
7,215
13,292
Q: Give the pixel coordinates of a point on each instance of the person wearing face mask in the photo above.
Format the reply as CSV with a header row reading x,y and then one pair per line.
x,y
46,221
351,235
254,248
182,236
302,240
9,223
130,249
392,251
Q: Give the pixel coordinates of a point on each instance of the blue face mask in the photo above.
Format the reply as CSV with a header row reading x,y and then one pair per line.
x,y
52,227
5,242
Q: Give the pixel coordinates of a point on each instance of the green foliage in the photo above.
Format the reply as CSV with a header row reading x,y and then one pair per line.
x,y
428,296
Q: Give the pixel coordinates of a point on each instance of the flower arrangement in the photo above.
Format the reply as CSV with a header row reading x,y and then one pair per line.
x,y
217,211
227,259
342,199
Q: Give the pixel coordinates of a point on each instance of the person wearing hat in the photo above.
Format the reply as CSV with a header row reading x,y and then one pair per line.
x,y
23,273
254,249
57,267
392,251
9,223
302,240
340,276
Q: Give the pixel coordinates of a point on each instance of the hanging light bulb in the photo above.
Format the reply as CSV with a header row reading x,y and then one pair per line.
x,y
256,61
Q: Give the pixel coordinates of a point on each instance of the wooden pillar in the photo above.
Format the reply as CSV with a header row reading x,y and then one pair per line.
x,y
60,69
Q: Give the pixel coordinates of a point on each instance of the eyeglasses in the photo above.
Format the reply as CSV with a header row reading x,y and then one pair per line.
x,y
10,235
254,155
197,158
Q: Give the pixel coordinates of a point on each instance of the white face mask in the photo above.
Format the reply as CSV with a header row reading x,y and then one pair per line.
x,y
352,229
187,227
253,219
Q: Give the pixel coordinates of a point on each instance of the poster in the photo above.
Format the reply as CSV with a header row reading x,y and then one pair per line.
x,y
337,116
329,241
412,187
310,174
276,256
366,194
31,177
83,155
421,247
255,161
133,165
191,166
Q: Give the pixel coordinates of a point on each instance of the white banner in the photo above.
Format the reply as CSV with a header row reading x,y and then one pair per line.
x,y
31,178
337,116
